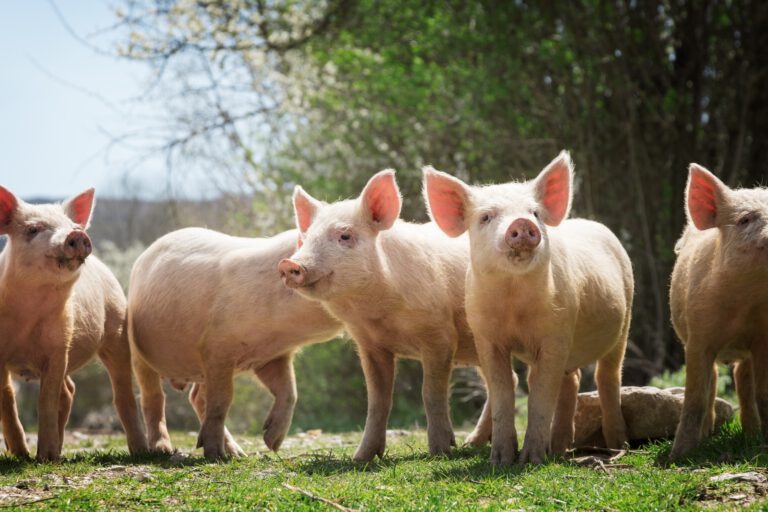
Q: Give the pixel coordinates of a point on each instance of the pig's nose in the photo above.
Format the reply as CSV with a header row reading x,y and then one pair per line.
x,y
523,234
292,273
77,245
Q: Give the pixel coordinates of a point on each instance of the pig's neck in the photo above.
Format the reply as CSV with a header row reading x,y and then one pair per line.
x,y
31,297
509,285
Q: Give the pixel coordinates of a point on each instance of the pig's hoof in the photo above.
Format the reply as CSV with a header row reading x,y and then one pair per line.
x,y
366,453
441,445
161,446
275,432
47,455
503,455
138,448
533,456
233,449
477,439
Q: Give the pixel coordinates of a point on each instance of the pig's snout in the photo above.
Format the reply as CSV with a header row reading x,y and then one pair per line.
x,y
292,273
77,245
523,235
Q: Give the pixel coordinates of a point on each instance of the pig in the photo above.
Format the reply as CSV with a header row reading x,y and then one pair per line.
x,y
203,305
554,293
719,303
398,288
59,305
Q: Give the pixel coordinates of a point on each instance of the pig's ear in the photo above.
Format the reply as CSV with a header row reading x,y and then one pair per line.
x,y
380,200
553,189
80,207
8,205
704,196
305,207
447,199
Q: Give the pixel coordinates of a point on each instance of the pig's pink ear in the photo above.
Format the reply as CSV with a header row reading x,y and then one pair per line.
x,y
447,199
305,207
80,207
704,196
553,188
380,200
8,204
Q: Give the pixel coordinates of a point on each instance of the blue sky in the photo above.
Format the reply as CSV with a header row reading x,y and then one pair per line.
x,y
58,98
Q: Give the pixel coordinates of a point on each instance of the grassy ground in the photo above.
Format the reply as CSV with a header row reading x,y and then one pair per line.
x,y
314,467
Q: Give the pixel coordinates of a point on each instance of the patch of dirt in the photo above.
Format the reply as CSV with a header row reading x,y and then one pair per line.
x,y
733,490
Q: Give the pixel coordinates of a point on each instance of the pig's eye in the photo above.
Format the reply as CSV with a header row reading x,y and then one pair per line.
x,y
746,219
485,218
536,213
31,231
345,236
346,239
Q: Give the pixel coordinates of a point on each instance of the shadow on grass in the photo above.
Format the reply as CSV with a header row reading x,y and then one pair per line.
x,y
11,465
729,446
328,463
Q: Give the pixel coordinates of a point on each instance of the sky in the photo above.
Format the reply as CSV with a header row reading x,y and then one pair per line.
x,y
60,101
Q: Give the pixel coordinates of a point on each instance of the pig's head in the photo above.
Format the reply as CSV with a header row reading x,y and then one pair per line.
x,y
337,248
507,223
46,242
741,215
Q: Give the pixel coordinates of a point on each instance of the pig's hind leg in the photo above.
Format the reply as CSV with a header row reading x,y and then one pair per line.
x,y
745,388
277,375
699,363
65,405
219,390
116,357
481,435
608,380
563,428
13,431
153,406
197,399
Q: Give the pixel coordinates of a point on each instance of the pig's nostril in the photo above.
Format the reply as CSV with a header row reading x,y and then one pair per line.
x,y
515,234
295,272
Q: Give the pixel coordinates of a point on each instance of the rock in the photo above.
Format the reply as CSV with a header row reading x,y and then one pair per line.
x,y
650,413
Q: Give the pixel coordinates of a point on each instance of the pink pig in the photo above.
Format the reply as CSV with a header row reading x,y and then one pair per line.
x,y
719,301
555,293
203,306
58,307
399,290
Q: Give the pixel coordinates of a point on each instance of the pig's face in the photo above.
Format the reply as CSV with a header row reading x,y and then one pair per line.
x,y
47,241
741,215
507,223
337,249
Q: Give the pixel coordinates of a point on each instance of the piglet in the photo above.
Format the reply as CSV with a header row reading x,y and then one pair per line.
x,y
719,302
59,306
555,293
203,305
398,288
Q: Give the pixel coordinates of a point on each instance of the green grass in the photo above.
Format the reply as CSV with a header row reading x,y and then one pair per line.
x,y
97,473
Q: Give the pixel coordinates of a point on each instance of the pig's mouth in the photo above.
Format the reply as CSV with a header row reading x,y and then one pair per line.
x,y
314,285
518,257
65,263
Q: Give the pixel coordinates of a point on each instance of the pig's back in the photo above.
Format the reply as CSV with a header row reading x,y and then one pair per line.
x,y
196,283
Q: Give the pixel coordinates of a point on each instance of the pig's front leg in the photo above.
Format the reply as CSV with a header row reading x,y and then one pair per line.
x,y
51,383
545,376
699,366
496,361
13,432
219,377
277,376
436,385
379,368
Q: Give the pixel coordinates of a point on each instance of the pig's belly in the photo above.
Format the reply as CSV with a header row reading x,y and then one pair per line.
x,y
173,357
